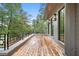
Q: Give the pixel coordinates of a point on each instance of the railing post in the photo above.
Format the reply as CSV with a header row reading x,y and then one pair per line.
x,y
4,41
7,41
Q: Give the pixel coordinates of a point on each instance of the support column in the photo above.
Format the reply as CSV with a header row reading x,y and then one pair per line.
x,y
69,22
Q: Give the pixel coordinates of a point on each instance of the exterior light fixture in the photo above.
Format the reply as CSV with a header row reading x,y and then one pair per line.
x,y
49,21
54,17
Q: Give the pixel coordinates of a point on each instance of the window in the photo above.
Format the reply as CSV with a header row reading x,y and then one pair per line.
x,y
61,24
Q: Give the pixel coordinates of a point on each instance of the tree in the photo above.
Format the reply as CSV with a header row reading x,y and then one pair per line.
x,y
3,20
17,19
39,23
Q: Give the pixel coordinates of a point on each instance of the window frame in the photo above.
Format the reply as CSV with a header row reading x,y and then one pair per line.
x,y
59,23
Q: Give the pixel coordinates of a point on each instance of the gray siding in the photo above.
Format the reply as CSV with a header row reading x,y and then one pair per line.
x,y
70,29
77,29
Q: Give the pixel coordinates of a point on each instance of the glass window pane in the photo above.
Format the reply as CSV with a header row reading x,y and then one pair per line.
x,y
61,20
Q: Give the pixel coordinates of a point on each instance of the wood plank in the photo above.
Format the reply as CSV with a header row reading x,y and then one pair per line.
x,y
39,46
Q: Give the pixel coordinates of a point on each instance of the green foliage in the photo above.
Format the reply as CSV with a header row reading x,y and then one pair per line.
x,y
39,24
13,20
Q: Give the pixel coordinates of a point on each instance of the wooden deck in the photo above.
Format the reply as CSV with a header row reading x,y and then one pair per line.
x,y
39,46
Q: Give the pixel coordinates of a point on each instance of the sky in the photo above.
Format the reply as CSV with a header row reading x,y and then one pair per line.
x,y
31,8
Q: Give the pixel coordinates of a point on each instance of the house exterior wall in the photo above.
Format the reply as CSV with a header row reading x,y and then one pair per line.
x,y
55,27
71,29
49,28
77,30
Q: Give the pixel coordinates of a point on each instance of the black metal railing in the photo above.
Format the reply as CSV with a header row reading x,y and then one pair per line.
x,y
2,41
7,40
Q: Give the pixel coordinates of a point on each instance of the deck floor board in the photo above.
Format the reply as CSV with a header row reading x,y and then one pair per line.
x,y
39,46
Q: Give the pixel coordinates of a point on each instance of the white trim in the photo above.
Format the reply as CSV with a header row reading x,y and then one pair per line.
x,y
61,42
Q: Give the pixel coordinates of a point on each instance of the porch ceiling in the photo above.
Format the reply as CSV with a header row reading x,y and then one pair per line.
x,y
51,8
